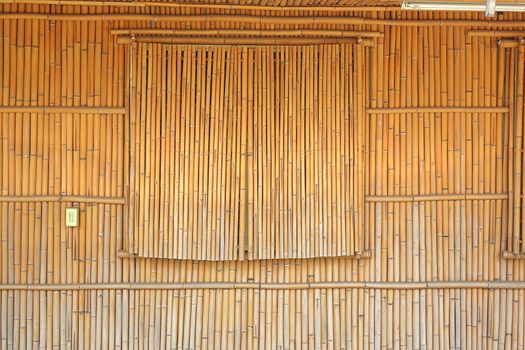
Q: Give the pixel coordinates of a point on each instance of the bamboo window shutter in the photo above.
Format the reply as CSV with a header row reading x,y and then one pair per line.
x,y
247,152
515,238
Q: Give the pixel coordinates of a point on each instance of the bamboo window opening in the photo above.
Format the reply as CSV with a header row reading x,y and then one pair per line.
x,y
248,153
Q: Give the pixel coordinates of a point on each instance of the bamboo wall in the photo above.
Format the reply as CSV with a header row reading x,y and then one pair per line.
x,y
441,187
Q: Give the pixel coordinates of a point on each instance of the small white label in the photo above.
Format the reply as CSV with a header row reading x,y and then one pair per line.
x,y
71,217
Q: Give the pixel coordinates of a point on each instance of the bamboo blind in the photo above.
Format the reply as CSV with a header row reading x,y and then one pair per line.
x,y
248,151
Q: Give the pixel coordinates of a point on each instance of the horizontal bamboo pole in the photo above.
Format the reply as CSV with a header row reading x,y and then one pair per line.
x,y
219,41
304,20
496,33
438,197
65,109
269,286
509,43
510,255
479,109
169,4
248,32
124,254
58,198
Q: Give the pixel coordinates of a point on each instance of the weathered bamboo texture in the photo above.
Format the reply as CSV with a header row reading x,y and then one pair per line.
x,y
248,151
425,248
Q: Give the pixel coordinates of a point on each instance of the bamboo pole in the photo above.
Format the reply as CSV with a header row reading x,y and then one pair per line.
x,y
244,41
63,110
438,197
63,198
299,20
247,32
438,109
495,33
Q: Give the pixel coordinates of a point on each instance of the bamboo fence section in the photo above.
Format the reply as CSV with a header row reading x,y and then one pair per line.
x,y
445,272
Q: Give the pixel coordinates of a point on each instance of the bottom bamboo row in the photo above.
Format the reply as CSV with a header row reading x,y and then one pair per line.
x,y
265,319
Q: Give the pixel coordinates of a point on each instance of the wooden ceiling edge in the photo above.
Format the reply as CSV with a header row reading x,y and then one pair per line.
x,y
148,4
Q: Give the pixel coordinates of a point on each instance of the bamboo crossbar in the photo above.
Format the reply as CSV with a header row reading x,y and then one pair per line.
x,y
244,41
59,198
495,33
437,197
124,254
270,286
479,109
510,255
509,43
64,109
169,4
285,20
248,32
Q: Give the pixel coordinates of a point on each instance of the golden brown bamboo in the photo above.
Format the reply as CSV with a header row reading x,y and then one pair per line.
x,y
438,197
61,198
438,109
63,109
299,20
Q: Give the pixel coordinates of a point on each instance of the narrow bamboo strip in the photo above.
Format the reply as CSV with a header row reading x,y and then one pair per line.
x,y
437,109
438,197
63,110
302,20
248,32
63,199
